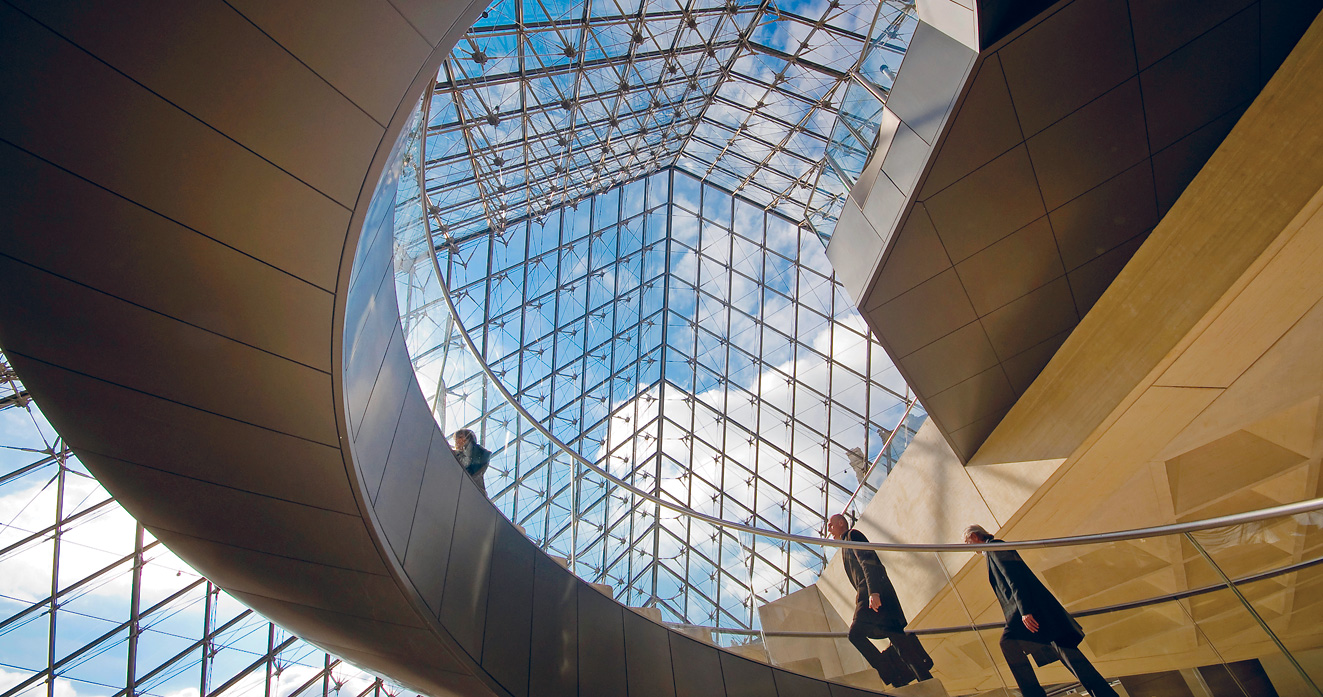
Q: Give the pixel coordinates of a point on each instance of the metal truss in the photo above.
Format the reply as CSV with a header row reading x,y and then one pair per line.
x,y
687,341
91,604
549,102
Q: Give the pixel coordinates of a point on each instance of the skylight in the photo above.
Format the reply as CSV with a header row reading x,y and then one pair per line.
x,y
629,202
545,103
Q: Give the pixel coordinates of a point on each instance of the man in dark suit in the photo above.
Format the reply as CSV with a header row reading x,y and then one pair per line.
x,y
878,614
1036,623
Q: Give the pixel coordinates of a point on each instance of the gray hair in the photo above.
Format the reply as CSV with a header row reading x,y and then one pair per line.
x,y
978,530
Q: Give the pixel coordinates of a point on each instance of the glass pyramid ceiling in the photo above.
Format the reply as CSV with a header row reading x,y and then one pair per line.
x,y
546,102
618,194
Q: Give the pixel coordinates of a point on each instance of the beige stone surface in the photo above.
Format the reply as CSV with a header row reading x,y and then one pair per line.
x,y
1006,487
1213,235
1194,388
805,611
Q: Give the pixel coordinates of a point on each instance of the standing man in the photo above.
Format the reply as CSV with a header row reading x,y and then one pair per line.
x,y
878,614
1036,623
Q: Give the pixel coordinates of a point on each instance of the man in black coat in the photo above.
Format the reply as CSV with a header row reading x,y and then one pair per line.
x,y
1036,623
878,614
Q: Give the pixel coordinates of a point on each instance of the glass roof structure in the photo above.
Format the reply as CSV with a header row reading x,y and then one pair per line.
x,y
92,605
547,102
627,205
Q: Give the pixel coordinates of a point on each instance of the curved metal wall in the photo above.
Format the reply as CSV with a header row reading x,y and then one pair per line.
x,y
184,187
530,626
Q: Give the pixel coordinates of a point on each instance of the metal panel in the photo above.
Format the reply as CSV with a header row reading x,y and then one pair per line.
x,y
929,80
698,669
506,644
973,398
370,325
745,678
1105,217
375,258
986,127
206,511
906,159
602,648
1163,27
464,603
401,481
147,351
166,435
415,645
1088,282
553,665
288,116
647,658
266,308
1175,167
371,57
294,580
792,685
883,207
951,359
1091,145
1022,368
1203,80
433,19
1081,50
1020,324
428,557
1031,251
987,205
854,249
916,255
1284,22
925,314
843,691
373,440
238,198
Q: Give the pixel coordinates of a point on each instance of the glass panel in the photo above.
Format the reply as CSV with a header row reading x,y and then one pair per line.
x,y
886,46
1277,566
677,391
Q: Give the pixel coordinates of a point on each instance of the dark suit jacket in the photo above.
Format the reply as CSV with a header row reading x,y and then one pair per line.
x,y
868,576
478,459
1021,593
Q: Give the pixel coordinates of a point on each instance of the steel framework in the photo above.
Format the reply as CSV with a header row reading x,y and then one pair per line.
x,y
91,604
616,253
550,102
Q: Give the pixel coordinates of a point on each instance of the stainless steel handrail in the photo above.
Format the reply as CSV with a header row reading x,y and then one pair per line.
x,y
1117,607
1251,516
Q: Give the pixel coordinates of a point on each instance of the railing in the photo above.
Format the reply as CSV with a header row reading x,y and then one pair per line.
x,y
1235,599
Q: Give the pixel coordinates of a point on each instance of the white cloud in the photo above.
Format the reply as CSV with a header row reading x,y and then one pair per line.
x,y
88,545
63,686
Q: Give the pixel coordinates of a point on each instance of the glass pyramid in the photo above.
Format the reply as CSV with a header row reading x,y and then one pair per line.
x,y
622,198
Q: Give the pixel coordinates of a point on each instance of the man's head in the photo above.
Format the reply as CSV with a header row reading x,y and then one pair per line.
x,y
837,526
463,438
975,534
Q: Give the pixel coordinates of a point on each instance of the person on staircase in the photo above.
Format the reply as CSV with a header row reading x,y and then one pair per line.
x,y
1036,623
878,614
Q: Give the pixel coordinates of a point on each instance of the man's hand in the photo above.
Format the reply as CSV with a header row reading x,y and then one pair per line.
x,y
875,601
1030,623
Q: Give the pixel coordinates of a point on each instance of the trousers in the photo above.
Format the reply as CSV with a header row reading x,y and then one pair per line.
x,y
907,645
1017,659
